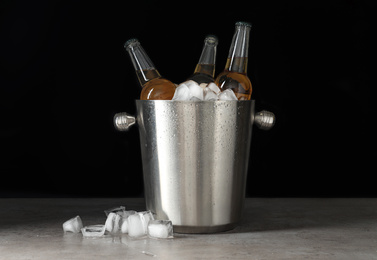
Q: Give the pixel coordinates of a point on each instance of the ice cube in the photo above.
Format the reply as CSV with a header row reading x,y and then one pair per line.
x,y
203,85
93,231
212,86
190,83
146,216
195,89
135,226
124,222
128,213
112,223
138,223
115,210
227,94
73,225
182,92
195,99
209,94
117,223
160,229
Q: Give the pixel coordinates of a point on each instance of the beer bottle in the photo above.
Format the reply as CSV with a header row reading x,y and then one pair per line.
x,y
234,75
205,69
153,85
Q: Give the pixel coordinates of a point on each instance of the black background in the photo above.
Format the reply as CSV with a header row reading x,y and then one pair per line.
x,y
64,74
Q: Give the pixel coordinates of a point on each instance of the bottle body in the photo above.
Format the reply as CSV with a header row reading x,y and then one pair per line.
x,y
154,87
205,69
238,82
158,89
234,75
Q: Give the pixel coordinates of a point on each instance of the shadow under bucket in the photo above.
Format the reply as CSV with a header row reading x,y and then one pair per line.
x,y
195,158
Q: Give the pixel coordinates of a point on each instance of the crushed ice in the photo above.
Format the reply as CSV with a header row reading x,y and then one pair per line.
x,y
119,220
192,91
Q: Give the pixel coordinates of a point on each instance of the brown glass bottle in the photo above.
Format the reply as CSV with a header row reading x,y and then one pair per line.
x,y
234,75
205,69
154,86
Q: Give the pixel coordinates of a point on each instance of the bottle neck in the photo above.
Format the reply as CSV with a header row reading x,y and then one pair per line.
x,y
207,60
145,69
238,52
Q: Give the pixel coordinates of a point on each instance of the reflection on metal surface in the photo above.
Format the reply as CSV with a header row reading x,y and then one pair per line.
x,y
264,120
123,121
195,158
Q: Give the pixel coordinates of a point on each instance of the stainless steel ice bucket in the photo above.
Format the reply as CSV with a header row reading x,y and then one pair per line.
x,y
195,159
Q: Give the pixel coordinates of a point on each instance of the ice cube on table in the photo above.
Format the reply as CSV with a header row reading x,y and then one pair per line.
x,y
135,226
146,216
227,94
117,223
160,229
112,223
73,225
128,213
93,231
115,210
124,222
138,223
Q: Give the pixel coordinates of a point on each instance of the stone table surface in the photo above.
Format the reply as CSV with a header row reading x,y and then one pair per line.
x,y
271,228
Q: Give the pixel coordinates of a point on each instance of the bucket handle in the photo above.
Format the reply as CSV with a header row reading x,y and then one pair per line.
x,y
264,120
123,121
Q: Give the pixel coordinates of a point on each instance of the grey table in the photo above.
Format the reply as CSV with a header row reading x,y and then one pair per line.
x,y
276,228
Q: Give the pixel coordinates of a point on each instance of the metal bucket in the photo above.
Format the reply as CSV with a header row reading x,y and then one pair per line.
x,y
195,159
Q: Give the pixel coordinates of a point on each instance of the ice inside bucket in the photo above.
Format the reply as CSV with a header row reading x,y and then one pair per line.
x,y
195,159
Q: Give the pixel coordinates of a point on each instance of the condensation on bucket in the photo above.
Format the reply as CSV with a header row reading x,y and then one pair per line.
x,y
195,159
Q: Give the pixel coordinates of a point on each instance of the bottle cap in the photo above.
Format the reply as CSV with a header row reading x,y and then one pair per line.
x,y
245,24
131,42
211,39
